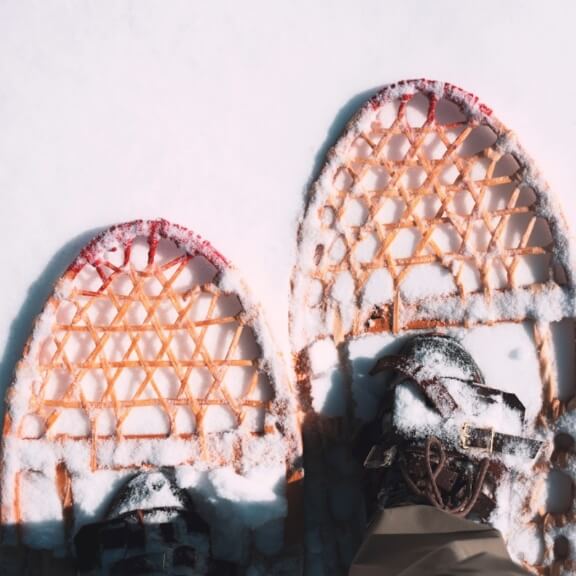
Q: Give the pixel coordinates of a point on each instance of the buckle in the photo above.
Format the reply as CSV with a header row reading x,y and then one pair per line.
x,y
477,438
380,457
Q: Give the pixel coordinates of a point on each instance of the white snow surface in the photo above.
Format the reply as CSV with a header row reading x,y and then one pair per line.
x,y
378,289
323,356
254,499
240,509
84,125
411,413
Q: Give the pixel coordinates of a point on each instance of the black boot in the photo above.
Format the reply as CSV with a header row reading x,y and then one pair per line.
x,y
151,528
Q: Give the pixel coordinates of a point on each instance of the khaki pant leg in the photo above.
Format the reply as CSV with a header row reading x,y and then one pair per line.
x,y
425,541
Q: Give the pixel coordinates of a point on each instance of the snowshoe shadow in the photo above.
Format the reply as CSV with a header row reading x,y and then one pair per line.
x,y
38,293
341,118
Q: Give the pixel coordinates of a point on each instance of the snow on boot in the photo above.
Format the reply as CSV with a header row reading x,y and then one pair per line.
x,y
152,527
442,440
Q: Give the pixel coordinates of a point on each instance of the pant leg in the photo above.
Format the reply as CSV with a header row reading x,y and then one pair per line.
x,y
425,541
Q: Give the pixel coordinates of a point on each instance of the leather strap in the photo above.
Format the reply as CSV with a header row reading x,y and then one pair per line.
x,y
432,388
480,440
435,390
488,440
471,437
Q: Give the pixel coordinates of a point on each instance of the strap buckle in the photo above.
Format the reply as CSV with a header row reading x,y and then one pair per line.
x,y
477,438
380,457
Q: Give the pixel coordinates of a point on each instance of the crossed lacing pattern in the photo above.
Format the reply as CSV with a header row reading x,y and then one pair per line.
x,y
475,216
142,343
483,217
431,490
137,357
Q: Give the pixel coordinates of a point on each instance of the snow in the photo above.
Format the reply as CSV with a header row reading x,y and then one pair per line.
x,y
343,289
272,360
378,288
329,394
42,513
323,355
239,508
507,357
253,502
427,280
146,492
106,144
93,498
327,383
549,304
343,292
414,418
254,499
367,388
430,362
432,286
411,413
526,545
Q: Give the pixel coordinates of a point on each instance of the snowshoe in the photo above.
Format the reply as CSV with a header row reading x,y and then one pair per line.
x,y
151,353
429,216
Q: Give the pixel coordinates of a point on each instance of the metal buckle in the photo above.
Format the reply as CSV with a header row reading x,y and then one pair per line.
x,y
465,440
378,457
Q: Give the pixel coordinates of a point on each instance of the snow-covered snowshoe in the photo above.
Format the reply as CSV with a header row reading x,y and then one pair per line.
x,y
151,352
429,216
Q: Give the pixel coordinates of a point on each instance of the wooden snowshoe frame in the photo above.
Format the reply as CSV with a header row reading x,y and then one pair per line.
x,y
126,330
425,188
